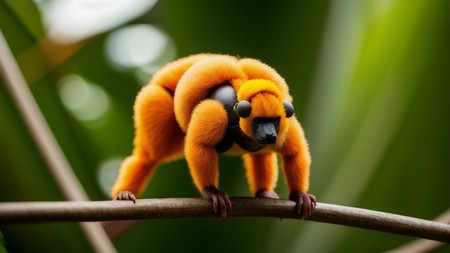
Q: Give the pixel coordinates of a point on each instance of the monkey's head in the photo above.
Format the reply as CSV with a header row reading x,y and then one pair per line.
x,y
262,111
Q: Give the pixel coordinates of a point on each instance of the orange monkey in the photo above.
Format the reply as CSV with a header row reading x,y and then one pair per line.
x,y
204,105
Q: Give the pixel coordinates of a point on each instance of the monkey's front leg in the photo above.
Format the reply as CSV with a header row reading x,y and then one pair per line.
x,y
296,162
296,170
206,129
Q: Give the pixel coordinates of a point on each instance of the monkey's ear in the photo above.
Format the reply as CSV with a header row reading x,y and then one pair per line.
x,y
288,108
243,108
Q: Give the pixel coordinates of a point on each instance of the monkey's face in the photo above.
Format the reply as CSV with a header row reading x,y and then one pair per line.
x,y
267,122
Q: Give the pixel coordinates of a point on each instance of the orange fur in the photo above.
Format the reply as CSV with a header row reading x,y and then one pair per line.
x,y
261,171
133,175
172,114
169,75
208,125
295,158
155,126
256,86
198,81
255,69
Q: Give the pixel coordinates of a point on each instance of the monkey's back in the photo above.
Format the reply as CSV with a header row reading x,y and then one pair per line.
x,y
191,79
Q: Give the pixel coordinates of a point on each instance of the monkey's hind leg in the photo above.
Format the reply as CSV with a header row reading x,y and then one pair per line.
x,y
133,175
158,138
262,174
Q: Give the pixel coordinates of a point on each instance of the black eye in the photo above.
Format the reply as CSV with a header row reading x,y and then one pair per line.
x,y
257,120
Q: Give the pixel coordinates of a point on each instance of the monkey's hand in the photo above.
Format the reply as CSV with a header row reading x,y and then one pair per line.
x,y
221,201
306,203
126,195
266,194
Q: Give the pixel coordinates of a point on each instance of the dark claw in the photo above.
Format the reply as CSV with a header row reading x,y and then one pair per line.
x,y
306,203
266,194
126,195
220,199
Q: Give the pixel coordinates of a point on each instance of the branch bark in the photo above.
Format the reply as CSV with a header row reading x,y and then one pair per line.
x,y
19,212
423,245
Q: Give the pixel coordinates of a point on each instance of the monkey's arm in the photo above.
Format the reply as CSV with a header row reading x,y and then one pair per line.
x,y
207,127
296,161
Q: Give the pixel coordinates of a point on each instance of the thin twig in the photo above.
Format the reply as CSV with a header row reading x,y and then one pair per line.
x,y
202,208
47,144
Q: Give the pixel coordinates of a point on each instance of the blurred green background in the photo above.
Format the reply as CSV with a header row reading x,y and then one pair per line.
x,y
371,86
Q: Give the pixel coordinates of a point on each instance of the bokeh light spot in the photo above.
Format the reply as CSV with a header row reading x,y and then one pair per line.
x,y
68,21
140,48
86,101
135,45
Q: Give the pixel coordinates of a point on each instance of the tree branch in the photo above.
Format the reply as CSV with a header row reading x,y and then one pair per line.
x,y
423,245
19,212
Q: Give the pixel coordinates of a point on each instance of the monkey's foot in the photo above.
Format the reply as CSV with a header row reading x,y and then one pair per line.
x,y
306,203
126,195
221,201
266,194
